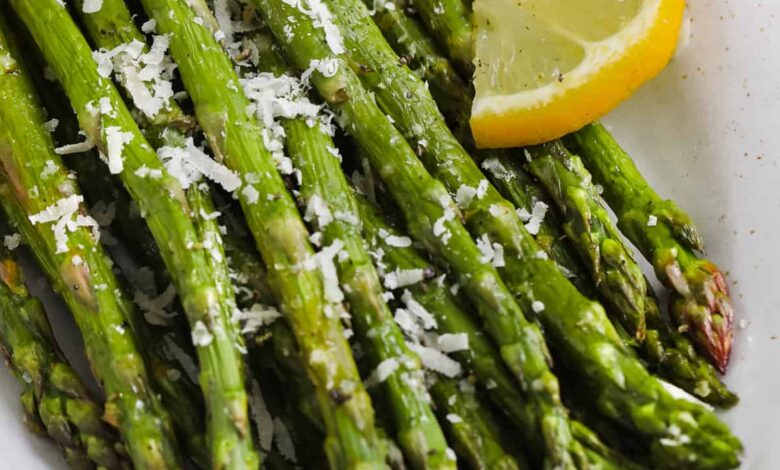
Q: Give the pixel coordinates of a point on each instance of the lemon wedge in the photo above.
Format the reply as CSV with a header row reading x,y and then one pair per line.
x,y
545,68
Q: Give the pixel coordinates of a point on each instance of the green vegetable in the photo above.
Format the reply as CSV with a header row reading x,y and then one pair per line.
x,y
170,376
588,225
474,433
417,431
667,237
191,249
453,97
482,360
444,20
236,139
666,351
576,328
429,211
112,27
33,180
54,399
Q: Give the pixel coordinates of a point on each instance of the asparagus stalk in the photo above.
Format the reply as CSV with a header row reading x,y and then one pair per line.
x,y
164,346
588,225
561,309
236,139
430,214
475,438
610,263
417,48
667,352
667,237
473,431
112,27
55,401
312,152
417,431
36,189
413,45
191,250
482,360
452,34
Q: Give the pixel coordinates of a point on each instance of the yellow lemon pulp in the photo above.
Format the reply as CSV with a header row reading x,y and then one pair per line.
x,y
545,68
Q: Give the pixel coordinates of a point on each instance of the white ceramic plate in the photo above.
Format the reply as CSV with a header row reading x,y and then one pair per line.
x,y
706,133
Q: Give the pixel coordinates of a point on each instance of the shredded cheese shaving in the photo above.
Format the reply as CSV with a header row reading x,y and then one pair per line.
x,y
64,214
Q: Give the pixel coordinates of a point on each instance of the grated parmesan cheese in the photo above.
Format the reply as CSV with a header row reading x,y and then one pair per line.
x,y
201,336
423,316
222,15
92,6
652,221
116,139
318,210
537,217
465,195
398,241
453,418
436,360
273,97
147,76
64,215
51,124
321,18
327,67
49,169
156,309
491,252
251,195
383,370
497,169
324,261
12,241
256,316
78,147
189,163
403,278
149,26
451,342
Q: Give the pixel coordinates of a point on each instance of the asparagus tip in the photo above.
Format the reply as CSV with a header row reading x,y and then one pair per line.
x,y
707,310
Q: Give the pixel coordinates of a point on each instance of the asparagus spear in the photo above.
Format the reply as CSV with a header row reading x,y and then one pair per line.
x,y
668,239
36,191
190,248
417,430
312,152
430,214
475,439
667,352
474,433
482,360
55,401
414,46
112,27
453,35
625,286
561,309
164,346
236,139
588,225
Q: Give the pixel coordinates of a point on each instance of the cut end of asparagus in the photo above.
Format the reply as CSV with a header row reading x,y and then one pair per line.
x,y
704,309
